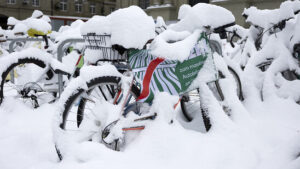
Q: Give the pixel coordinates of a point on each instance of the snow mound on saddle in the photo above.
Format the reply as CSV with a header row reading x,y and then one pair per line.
x,y
267,18
131,27
164,46
38,24
203,15
97,24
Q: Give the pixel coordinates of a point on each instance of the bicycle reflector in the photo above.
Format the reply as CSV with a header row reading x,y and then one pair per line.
x,y
296,52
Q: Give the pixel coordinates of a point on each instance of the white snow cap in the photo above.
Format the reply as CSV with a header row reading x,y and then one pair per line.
x,y
20,28
183,10
38,24
267,18
178,50
72,31
160,22
295,5
12,21
37,14
203,15
46,18
97,24
131,27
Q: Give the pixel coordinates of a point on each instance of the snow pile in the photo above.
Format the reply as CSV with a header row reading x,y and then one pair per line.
x,y
183,10
37,14
174,45
20,28
203,16
46,18
39,25
267,18
129,27
11,21
99,25
70,32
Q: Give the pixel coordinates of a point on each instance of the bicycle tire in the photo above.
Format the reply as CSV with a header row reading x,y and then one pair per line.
x,y
80,112
188,115
5,73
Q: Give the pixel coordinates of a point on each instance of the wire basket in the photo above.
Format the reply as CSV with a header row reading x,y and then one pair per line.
x,y
103,44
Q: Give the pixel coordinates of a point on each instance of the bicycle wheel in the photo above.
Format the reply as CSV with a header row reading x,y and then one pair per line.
x,y
23,87
191,105
82,107
238,84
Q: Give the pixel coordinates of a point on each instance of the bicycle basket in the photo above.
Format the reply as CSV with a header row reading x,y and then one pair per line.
x,y
103,44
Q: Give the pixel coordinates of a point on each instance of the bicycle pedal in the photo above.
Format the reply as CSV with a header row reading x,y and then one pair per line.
x,y
151,117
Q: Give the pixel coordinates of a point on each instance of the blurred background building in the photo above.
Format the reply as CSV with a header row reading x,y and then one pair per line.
x,y
63,12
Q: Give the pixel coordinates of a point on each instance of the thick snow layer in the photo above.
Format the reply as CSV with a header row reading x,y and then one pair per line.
x,y
131,27
20,28
97,24
267,18
12,21
248,141
46,18
37,14
204,15
174,45
70,32
38,24
183,10
160,22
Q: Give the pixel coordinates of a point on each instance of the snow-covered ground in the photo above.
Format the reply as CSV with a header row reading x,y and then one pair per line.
x,y
258,135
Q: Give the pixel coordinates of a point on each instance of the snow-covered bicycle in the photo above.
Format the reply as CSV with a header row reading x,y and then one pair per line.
x,y
36,69
107,100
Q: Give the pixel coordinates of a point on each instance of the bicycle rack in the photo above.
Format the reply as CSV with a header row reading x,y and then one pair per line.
x,y
11,49
60,54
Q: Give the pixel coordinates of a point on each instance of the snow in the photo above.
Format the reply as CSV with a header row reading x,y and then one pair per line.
x,y
38,24
178,50
267,18
46,18
37,14
69,32
232,144
12,21
131,27
97,24
20,28
183,10
204,15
